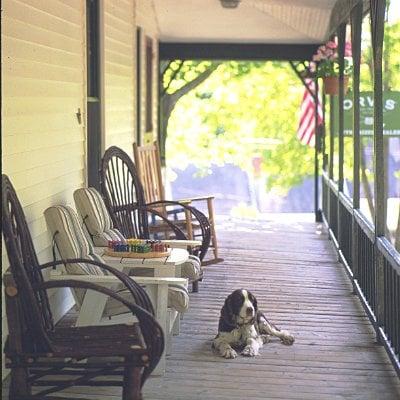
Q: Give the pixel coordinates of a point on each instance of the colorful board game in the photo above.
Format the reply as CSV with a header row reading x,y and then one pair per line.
x,y
137,248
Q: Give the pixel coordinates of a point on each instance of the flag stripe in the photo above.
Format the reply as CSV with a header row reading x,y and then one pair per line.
x,y
306,129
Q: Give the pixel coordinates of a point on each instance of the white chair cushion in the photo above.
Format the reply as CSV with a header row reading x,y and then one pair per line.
x,y
178,299
90,205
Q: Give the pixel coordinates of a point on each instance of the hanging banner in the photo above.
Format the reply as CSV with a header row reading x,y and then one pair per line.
x,y
391,114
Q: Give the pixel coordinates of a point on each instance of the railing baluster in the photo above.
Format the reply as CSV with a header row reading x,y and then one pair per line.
x,y
377,271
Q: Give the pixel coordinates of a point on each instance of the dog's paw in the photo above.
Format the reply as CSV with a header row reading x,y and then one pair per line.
x,y
249,351
265,338
229,353
287,338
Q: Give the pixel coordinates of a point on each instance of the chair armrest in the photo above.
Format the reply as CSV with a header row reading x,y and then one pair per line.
x,y
181,244
75,281
128,208
197,198
138,293
178,232
150,329
110,280
201,219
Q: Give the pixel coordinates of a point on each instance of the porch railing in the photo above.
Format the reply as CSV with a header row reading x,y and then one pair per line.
x,y
345,218
372,264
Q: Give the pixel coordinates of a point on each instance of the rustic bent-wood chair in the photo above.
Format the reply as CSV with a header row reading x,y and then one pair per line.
x,y
148,165
124,198
38,352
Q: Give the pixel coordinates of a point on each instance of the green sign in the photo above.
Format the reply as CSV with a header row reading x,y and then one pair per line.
x,y
391,114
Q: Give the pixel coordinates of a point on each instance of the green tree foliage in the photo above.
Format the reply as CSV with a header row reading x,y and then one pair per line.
x,y
242,110
229,112
179,78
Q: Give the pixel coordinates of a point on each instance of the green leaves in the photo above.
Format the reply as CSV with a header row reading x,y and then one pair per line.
x,y
243,110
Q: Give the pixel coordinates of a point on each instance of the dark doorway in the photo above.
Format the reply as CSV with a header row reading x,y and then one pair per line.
x,y
93,93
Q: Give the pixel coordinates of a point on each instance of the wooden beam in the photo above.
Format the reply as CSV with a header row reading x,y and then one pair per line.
x,y
236,51
377,31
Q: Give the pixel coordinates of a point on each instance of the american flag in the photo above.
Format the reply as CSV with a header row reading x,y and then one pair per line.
x,y
306,129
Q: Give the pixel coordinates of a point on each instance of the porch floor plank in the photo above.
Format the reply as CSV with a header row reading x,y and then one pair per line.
x,y
292,269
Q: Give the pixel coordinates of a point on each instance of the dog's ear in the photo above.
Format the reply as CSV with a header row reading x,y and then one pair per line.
x,y
227,314
253,300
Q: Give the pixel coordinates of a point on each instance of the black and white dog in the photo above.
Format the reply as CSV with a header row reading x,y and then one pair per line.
x,y
242,325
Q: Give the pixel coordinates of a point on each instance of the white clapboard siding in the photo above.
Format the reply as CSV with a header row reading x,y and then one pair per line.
x,y
43,75
119,68
147,20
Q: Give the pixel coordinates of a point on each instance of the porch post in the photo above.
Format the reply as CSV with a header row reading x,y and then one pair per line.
x,y
377,32
331,135
341,44
318,213
356,23
323,150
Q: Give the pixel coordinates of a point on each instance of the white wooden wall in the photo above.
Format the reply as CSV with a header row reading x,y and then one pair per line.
x,y
44,84
120,75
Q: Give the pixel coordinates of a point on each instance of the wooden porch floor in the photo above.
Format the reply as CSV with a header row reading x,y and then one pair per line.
x,y
291,267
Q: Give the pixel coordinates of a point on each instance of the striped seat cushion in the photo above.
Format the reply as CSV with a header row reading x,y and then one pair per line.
x,y
178,298
191,269
90,205
71,240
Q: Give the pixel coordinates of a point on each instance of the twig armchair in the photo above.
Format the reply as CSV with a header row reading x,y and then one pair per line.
x,y
36,350
124,198
148,165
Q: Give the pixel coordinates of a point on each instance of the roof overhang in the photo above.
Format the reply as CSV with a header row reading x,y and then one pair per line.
x,y
274,29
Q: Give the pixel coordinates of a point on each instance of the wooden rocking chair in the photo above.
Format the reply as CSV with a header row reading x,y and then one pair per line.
x,y
124,198
148,165
38,352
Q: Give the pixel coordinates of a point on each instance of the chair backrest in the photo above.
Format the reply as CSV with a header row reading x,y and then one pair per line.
x,y
148,165
93,211
35,319
123,194
72,242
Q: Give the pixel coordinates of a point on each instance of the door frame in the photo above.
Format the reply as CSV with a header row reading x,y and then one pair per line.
x,y
95,116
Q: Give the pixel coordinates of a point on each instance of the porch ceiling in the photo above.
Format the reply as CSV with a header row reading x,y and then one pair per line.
x,y
253,21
